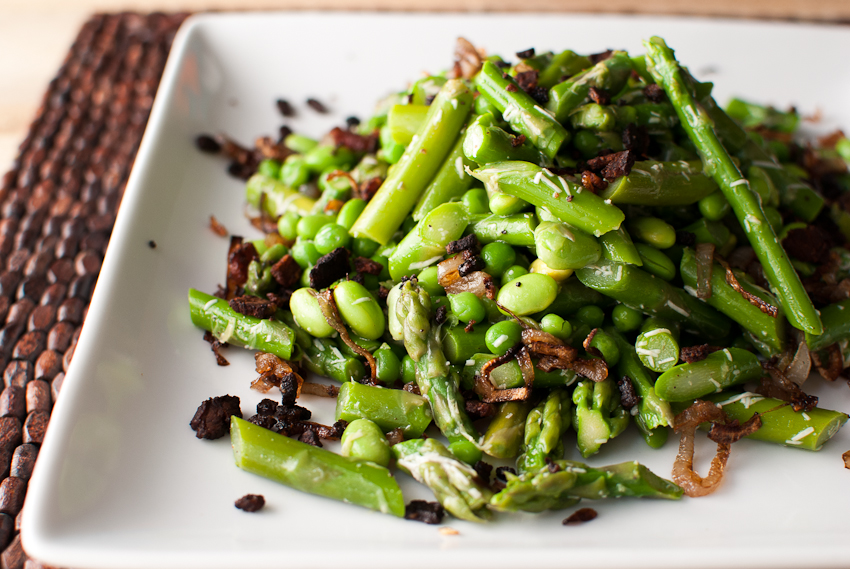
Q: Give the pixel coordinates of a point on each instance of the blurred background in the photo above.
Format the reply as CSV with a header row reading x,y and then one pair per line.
x,y
36,34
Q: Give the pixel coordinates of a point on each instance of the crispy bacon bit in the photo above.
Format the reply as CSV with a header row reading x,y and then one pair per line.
x,y
592,182
425,512
479,409
353,141
599,96
234,151
526,53
271,149
367,266
705,267
212,419
654,93
518,140
285,108
511,88
253,306
732,281
835,362
684,475
250,503
733,431
597,57
628,397
239,257
636,139
216,346
287,271
319,389
280,299
470,265
846,458
613,165
468,243
693,354
277,372
395,436
580,516
317,105
470,326
488,392
440,315
309,437
329,268
369,188
468,60
217,227
527,80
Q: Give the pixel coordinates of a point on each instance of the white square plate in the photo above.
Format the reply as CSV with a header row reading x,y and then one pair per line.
x,y
123,483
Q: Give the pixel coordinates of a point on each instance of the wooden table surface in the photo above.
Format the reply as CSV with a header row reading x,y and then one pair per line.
x,y
36,34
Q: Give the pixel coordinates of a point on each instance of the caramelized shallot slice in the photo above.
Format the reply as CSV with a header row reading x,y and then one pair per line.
x,y
684,475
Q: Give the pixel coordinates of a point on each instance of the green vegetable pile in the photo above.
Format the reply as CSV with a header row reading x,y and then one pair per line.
x,y
563,245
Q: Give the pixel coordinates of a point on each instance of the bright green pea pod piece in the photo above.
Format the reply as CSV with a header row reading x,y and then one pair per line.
x,y
279,199
610,74
562,246
388,408
661,183
359,309
528,294
314,470
730,366
228,326
426,244
521,111
567,201
643,291
404,185
766,332
780,424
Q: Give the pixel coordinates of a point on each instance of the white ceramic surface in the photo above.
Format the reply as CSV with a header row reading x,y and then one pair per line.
x,y
123,483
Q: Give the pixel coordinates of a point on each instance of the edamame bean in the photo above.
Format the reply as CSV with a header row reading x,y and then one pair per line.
x,y
538,266
294,171
330,237
350,212
387,364
308,314
528,294
287,225
324,157
714,207
363,439
652,230
655,262
626,319
498,256
502,336
359,309
309,225
467,307
557,326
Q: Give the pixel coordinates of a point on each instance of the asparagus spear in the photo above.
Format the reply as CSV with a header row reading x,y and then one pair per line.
x,y
386,211
777,267
426,242
388,408
610,74
661,183
599,417
729,366
506,430
454,483
544,430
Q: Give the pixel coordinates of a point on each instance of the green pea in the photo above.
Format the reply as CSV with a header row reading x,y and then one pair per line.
x,y
655,262
714,207
269,167
350,212
512,273
591,315
528,294
504,204
294,171
654,231
359,309
324,157
309,225
387,365
363,439
502,336
408,369
467,307
363,246
287,225
308,314
305,253
626,319
498,257
330,237
475,201
300,143
557,326
428,279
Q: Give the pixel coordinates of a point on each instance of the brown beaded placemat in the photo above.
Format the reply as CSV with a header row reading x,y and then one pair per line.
x,y
57,207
